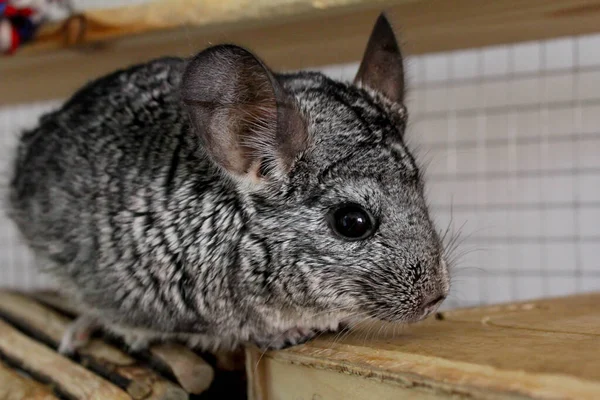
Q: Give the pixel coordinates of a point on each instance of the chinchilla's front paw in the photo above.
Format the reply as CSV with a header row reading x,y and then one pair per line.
x,y
289,338
78,334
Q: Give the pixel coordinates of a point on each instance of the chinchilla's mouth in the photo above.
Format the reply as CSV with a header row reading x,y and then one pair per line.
x,y
400,318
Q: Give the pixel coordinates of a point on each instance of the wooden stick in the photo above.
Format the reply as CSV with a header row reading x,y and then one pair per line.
x,y
67,375
193,373
34,315
16,387
140,383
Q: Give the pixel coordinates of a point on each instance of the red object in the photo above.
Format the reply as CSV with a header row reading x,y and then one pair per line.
x,y
22,25
11,11
15,42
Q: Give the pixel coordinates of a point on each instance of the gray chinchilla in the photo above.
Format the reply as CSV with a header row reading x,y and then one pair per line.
x,y
214,201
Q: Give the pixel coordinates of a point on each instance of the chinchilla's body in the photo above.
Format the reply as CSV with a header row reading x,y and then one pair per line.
x,y
211,198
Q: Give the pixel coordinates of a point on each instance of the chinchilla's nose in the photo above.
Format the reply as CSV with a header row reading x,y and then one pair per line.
x,y
432,300
431,304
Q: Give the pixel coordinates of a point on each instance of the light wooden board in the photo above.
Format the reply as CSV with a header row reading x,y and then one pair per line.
x,y
548,349
17,387
143,383
70,377
30,332
288,34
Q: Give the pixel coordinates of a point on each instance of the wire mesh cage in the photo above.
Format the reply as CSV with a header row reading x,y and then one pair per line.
x,y
509,138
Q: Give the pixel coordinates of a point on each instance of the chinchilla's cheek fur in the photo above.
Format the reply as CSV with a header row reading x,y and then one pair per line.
x,y
188,199
389,276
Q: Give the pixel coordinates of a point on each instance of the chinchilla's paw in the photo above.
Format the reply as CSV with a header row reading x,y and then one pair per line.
x,y
137,342
80,331
78,334
289,338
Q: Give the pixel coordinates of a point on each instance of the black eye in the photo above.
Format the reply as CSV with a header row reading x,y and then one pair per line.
x,y
351,222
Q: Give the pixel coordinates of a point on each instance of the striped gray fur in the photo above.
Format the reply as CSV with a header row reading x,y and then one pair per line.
x,y
124,203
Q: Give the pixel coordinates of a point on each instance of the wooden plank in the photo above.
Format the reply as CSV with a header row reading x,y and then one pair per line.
x,y
143,383
258,378
194,374
67,375
101,24
34,315
16,387
548,349
331,385
288,34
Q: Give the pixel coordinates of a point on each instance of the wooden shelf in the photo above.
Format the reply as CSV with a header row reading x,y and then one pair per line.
x,y
288,34
546,349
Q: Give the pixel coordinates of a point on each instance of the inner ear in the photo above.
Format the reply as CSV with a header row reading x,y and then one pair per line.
x,y
248,124
382,68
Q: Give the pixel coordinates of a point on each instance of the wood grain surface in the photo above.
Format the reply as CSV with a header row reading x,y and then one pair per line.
x,y
50,325
17,387
31,327
67,375
547,349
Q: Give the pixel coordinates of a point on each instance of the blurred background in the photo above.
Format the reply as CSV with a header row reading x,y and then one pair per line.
x,y
508,133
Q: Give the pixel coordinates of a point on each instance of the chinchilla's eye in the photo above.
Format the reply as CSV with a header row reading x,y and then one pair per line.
x,y
351,222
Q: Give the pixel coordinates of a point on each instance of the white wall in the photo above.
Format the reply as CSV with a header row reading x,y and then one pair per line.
x,y
514,137
511,139
16,262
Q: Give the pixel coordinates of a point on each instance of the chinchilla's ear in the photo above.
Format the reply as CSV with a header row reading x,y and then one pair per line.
x,y
382,68
248,124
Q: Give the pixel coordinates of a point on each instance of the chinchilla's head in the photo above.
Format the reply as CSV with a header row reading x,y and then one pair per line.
x,y
334,196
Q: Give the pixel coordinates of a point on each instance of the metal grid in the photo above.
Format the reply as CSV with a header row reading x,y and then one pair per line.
x,y
510,139
518,164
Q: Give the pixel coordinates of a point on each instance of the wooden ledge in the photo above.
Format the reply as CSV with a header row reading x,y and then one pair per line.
x,y
548,349
288,34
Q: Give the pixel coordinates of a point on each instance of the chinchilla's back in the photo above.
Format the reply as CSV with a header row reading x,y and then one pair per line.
x,y
83,163
106,179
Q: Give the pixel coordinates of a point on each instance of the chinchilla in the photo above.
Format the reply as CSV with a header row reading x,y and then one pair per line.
x,y
214,201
